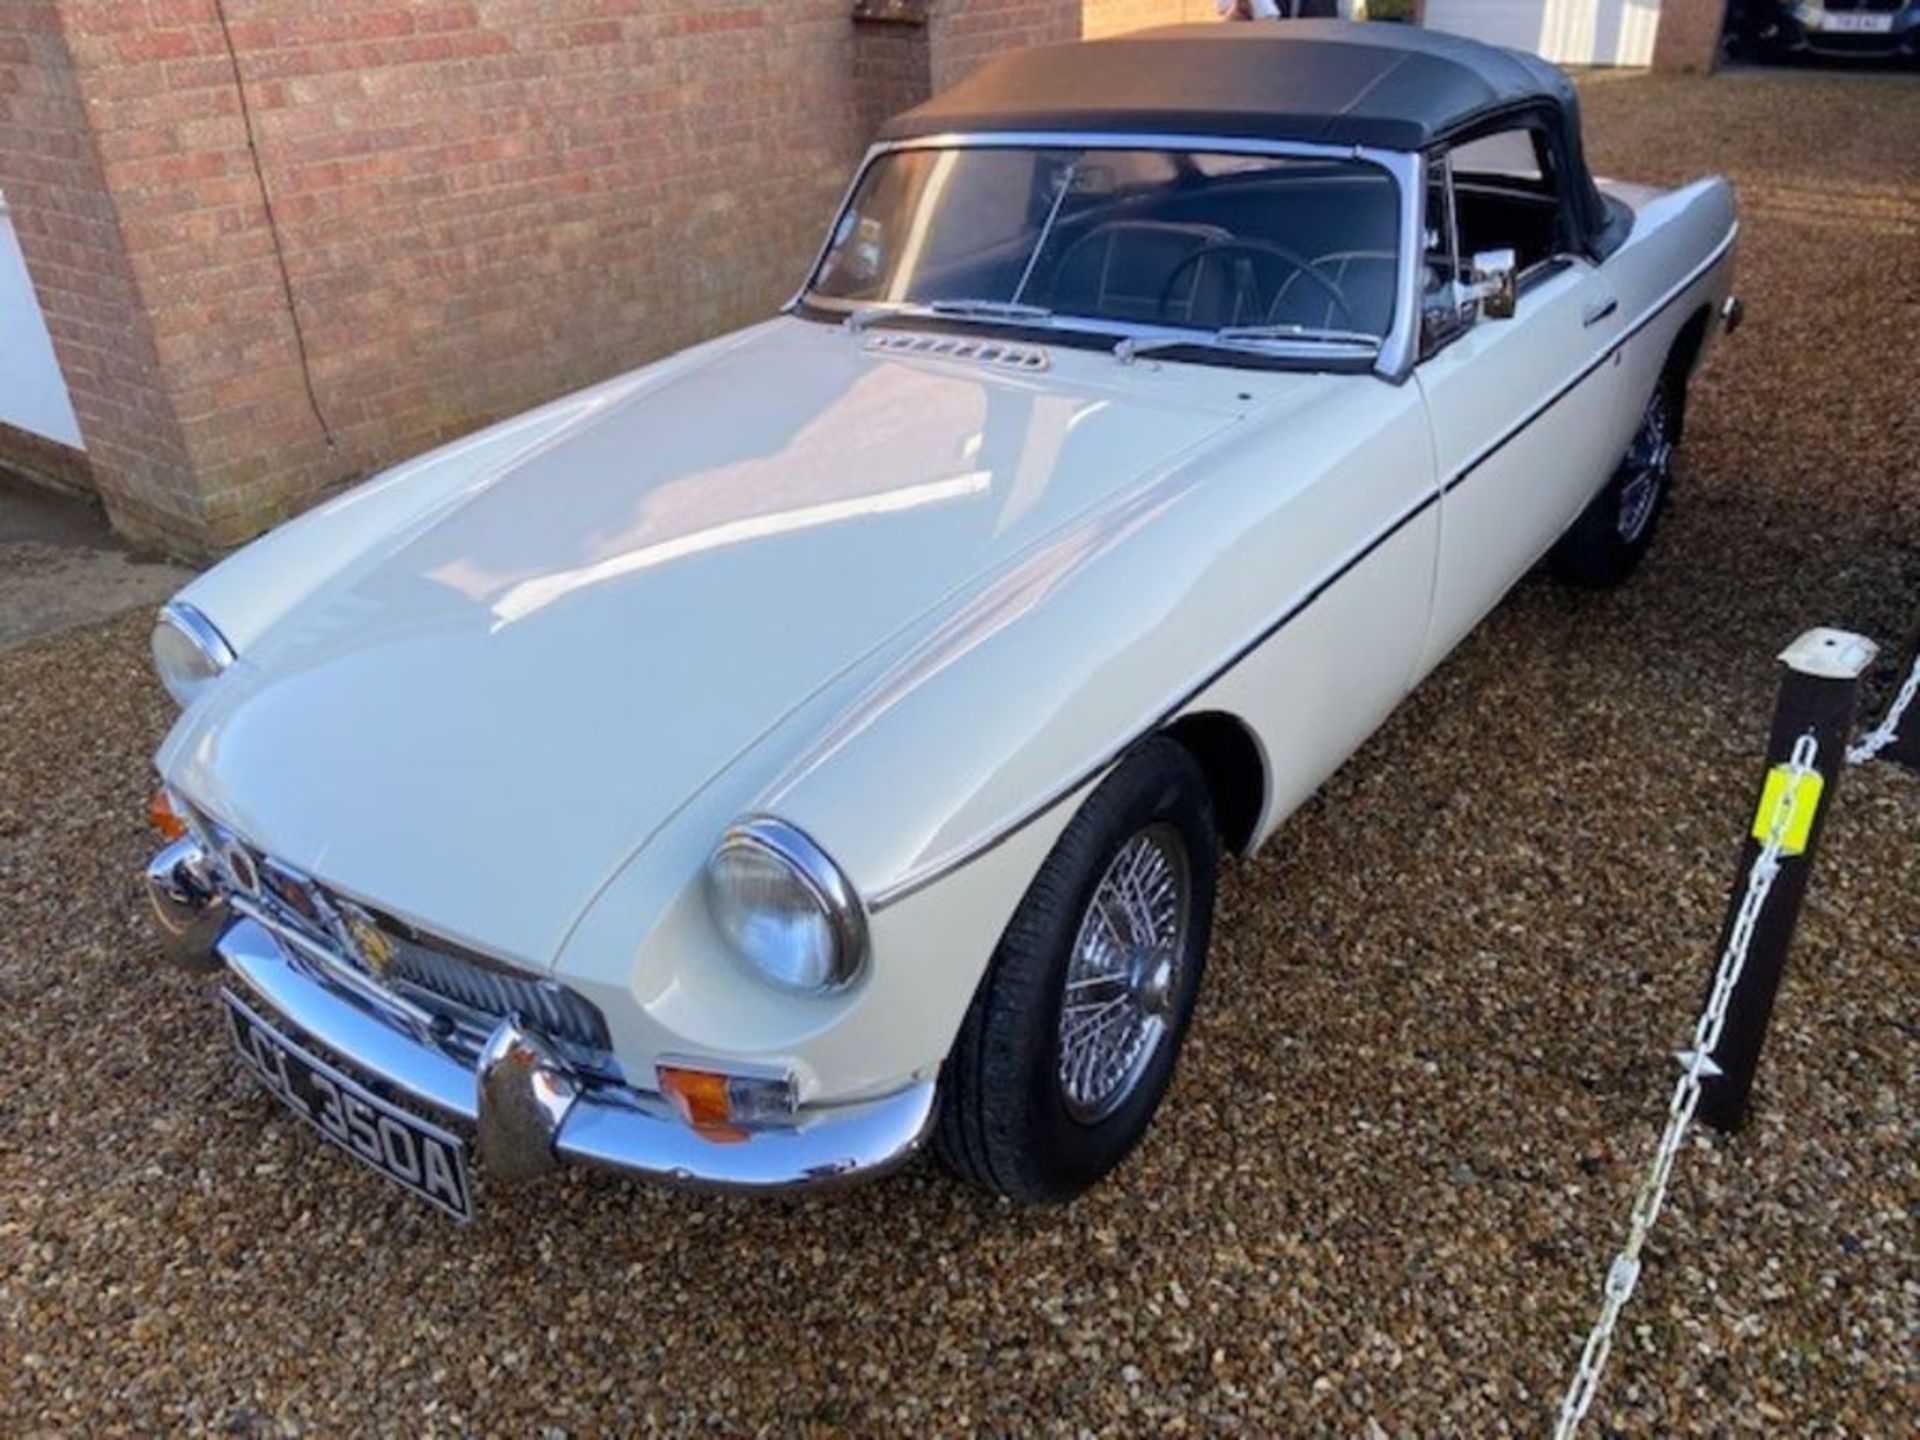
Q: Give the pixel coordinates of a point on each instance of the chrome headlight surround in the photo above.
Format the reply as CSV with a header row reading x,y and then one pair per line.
x,y
785,908
189,653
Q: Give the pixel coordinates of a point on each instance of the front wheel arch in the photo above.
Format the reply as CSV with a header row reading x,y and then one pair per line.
x,y
1003,1123
1234,763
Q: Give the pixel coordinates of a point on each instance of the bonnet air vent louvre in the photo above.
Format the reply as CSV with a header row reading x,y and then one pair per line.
x,y
961,347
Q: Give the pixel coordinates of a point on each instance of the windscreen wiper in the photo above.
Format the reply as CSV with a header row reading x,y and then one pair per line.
x,y
1255,339
991,311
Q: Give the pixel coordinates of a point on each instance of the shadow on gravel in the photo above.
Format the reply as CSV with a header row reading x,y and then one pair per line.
x,y
60,566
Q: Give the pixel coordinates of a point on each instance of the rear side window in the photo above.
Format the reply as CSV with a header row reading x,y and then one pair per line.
x,y
1505,154
1506,196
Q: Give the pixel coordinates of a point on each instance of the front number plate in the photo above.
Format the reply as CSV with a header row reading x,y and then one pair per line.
x,y
409,1151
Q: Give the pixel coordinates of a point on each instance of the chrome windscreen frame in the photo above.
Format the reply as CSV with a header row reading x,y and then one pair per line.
x,y
1398,350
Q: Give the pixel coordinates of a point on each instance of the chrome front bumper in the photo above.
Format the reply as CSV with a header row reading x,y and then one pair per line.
x,y
529,1115
527,1111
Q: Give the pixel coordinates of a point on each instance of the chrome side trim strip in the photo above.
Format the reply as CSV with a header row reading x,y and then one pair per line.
x,y
918,880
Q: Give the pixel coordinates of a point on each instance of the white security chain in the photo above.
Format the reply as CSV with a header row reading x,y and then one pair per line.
x,y
1624,1273
1884,734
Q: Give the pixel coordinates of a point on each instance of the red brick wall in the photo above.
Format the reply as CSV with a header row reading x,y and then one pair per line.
x,y
69,232
169,130
475,204
480,203
965,32
892,69
46,462
1689,35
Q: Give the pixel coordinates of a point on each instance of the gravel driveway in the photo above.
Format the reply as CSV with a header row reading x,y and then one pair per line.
x,y
1431,1060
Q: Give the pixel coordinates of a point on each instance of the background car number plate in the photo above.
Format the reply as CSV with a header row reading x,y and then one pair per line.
x,y
1857,24
409,1151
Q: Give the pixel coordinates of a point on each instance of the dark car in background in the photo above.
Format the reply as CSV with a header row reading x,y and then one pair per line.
x,y
1836,29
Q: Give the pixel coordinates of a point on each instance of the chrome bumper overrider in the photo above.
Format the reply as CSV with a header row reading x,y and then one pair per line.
x,y
526,1109
188,910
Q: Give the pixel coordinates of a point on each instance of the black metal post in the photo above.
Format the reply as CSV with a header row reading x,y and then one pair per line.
x,y
1818,694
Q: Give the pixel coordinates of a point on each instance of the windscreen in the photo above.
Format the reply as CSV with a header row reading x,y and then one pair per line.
x,y
1184,238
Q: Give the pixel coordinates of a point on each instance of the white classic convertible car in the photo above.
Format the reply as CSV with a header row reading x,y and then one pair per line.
x,y
825,738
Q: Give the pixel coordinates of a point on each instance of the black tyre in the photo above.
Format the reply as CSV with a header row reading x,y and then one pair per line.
x,y
1606,544
1072,1036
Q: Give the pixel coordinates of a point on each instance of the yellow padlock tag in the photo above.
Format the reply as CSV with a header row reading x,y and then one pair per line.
x,y
1805,804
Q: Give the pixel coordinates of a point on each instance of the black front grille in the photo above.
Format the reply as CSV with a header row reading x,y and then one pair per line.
x,y
436,970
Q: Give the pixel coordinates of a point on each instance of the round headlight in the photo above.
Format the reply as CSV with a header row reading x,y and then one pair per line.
x,y
785,908
187,651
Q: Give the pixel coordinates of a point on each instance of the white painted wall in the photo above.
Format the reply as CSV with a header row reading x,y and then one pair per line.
x,y
33,395
1569,32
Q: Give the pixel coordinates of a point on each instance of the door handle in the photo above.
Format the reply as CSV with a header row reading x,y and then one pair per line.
x,y
1597,311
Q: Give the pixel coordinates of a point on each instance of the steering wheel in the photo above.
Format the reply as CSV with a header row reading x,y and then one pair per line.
x,y
1261,250
1072,252
1109,232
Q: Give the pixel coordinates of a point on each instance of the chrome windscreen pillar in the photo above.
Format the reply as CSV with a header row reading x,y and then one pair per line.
x,y
525,1095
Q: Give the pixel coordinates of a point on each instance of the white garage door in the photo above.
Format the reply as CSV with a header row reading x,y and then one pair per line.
x,y
1570,32
33,396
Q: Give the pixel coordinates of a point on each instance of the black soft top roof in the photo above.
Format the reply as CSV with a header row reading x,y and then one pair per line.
x,y
1392,87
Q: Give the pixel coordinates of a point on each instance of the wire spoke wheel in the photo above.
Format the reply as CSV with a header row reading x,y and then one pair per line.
x,y
1075,1029
1649,466
1124,972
